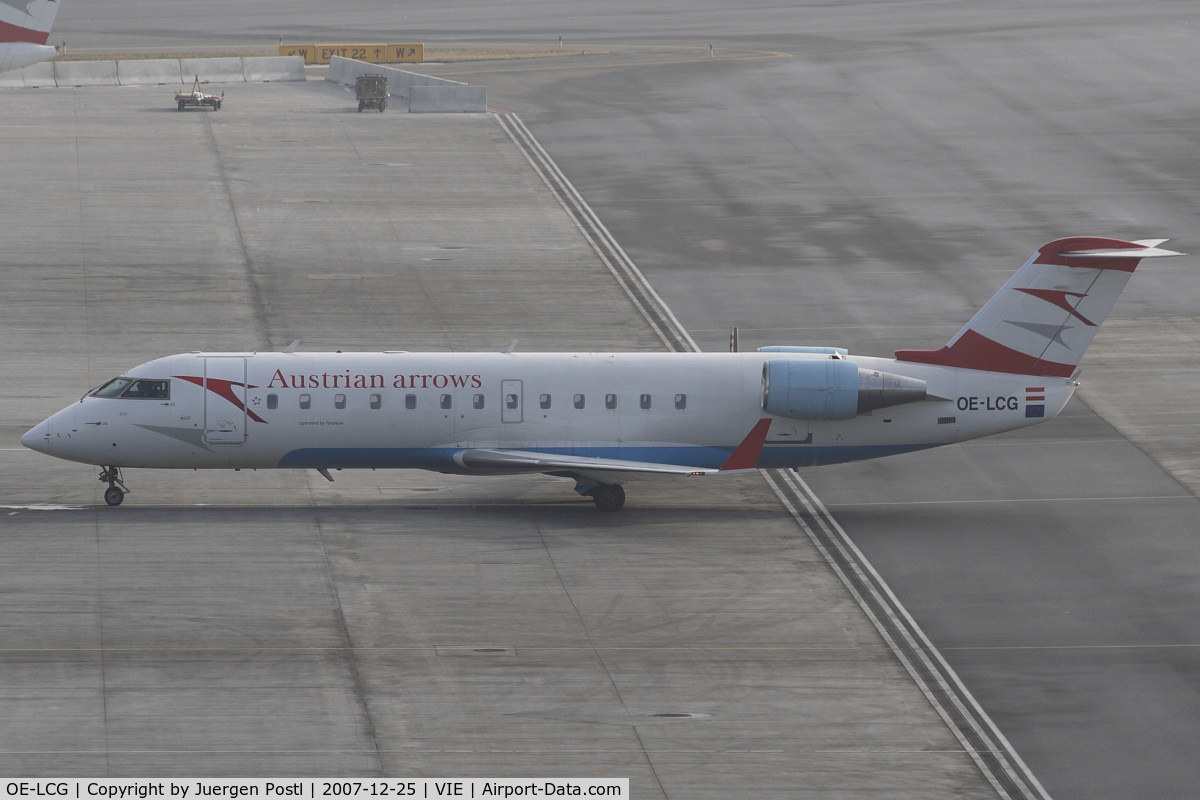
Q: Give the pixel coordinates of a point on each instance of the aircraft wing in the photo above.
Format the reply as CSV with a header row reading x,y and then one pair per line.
x,y
744,457
517,461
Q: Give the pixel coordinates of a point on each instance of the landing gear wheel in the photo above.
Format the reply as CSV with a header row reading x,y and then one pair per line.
x,y
116,490
608,497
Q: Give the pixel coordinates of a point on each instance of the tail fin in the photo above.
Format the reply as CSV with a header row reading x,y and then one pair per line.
x,y
1045,317
24,29
29,25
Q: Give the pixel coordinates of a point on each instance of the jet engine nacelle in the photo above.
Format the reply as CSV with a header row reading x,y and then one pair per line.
x,y
832,389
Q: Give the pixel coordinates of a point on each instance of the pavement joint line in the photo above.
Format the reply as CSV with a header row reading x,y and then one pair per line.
x,y
343,630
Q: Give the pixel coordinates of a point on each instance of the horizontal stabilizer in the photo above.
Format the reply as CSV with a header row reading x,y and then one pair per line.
x,y
1146,248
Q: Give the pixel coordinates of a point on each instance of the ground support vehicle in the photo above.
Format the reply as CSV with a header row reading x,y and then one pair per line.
x,y
198,99
371,91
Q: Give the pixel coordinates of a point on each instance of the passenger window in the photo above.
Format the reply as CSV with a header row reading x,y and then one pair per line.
x,y
272,401
306,401
544,401
410,401
447,401
477,401
339,401
579,401
681,401
645,402
610,401
376,401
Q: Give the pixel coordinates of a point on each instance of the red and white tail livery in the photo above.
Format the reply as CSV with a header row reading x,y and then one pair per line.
x,y
24,31
604,419
1045,317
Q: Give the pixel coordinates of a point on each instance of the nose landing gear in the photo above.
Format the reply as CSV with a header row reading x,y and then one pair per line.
x,y
116,490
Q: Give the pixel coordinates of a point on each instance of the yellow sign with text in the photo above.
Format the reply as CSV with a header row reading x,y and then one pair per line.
x,y
374,53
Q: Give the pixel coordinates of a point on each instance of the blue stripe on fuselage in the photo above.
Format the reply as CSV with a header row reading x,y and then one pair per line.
x,y
441,459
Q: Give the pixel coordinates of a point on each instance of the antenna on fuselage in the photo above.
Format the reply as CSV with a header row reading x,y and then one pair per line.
x,y
733,339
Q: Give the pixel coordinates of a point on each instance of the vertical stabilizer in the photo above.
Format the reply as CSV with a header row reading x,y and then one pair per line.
x,y
1043,319
24,30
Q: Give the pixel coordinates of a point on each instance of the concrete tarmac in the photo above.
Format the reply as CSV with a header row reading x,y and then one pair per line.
x,y
390,623
866,175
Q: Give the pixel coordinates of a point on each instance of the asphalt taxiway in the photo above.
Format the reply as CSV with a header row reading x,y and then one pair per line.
x,y
271,623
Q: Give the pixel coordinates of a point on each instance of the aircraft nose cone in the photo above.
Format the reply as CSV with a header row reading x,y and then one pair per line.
x,y
38,437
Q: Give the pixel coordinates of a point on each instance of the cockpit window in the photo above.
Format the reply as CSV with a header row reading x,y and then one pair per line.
x,y
113,388
148,389
142,388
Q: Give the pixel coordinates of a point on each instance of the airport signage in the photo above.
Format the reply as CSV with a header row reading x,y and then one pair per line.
x,y
374,53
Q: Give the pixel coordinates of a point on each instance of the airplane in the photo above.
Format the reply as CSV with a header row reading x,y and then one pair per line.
x,y
603,419
24,29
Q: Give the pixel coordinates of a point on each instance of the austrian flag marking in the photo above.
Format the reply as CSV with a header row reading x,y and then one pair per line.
x,y
1035,401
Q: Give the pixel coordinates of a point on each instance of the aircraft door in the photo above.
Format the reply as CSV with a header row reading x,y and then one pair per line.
x,y
225,399
511,401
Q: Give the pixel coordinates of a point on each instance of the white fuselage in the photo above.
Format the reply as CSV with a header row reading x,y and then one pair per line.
x,y
420,410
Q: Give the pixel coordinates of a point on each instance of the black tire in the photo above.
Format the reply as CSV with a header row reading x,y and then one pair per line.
x,y
608,497
113,496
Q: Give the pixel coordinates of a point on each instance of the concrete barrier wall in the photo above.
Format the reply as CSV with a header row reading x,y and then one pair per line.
x,y
156,71
447,99
85,73
40,74
273,68
149,72
213,70
432,94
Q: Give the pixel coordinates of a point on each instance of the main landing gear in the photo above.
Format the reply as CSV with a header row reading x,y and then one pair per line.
x,y
116,490
607,496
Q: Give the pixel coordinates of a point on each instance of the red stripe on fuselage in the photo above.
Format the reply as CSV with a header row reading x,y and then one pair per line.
x,y
224,389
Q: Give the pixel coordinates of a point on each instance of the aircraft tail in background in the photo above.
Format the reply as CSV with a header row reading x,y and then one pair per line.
x,y
1044,318
24,30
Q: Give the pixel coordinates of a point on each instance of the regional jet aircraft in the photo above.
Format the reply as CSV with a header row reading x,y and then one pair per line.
x,y
24,29
603,419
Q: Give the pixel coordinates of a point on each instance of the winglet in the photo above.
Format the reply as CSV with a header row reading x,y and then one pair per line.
x,y
746,454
